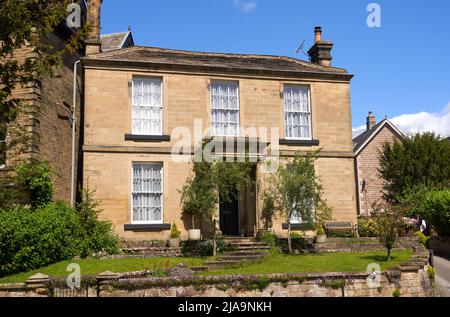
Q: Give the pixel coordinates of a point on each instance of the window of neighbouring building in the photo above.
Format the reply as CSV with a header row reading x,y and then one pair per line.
x,y
147,106
225,108
297,110
147,193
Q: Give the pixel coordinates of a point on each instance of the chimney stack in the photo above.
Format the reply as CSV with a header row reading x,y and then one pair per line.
x,y
93,43
371,121
320,52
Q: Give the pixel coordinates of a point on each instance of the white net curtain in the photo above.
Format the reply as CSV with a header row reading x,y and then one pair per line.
x,y
147,192
225,108
297,112
147,106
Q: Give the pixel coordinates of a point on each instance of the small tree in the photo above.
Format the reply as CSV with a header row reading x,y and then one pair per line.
x,y
297,190
268,209
389,222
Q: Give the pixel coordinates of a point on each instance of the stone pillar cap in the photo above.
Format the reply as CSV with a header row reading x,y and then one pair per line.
x,y
107,275
38,278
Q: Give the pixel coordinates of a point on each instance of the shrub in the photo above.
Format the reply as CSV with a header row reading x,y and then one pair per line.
x,y
435,208
36,179
367,228
270,238
423,239
174,232
197,248
30,239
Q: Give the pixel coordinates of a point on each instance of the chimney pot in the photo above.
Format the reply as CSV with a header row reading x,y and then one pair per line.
x,y
318,34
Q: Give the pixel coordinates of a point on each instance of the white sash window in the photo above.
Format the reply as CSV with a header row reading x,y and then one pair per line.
x,y
147,106
225,108
297,109
147,193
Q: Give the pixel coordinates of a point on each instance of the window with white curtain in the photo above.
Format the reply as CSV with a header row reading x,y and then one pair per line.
x,y
147,193
147,106
225,108
297,110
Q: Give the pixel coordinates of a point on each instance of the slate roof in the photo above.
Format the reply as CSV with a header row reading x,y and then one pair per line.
x,y
115,41
155,55
360,141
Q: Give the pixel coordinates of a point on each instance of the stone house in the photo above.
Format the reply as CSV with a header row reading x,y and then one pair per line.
x,y
139,101
366,147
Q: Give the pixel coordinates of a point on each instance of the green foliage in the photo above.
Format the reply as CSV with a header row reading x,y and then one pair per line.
x,y
419,160
54,232
431,272
435,208
36,179
340,234
211,183
22,24
99,235
222,246
396,293
367,227
320,231
335,284
32,239
268,210
423,239
270,238
174,232
197,248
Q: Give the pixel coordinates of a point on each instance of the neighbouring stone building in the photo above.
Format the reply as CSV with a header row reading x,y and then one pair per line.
x,y
137,99
367,147
47,116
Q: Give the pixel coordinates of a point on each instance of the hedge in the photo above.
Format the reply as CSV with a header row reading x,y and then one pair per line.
x,y
32,239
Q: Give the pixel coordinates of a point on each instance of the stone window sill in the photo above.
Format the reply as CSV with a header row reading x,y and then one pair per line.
x,y
299,142
147,138
149,227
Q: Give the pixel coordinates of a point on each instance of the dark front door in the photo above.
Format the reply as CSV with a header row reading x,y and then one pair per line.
x,y
229,217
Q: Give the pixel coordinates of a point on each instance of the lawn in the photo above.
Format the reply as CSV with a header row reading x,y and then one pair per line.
x,y
325,262
95,266
275,263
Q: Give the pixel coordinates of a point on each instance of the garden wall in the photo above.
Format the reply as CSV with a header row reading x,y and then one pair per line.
x,y
440,246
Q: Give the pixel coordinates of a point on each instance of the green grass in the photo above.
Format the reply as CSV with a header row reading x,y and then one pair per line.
x,y
95,266
275,263
308,263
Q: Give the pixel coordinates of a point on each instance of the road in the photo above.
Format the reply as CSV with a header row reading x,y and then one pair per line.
x,y
442,277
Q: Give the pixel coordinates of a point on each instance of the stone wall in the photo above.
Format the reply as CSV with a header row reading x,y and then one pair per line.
x,y
440,246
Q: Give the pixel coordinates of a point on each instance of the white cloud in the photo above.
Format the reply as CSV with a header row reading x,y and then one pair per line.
x,y
246,6
419,122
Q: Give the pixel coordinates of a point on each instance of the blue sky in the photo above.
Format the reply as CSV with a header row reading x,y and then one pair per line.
x,y
401,70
